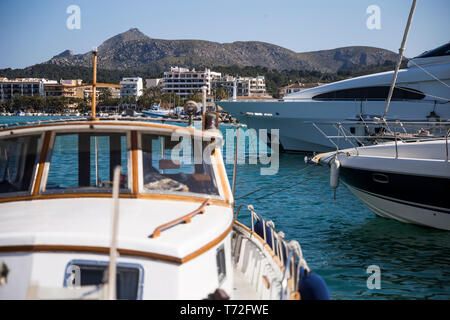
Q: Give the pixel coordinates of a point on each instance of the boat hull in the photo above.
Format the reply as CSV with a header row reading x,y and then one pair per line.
x,y
294,119
403,212
407,198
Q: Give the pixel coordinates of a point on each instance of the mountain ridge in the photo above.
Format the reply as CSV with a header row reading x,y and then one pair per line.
x,y
134,50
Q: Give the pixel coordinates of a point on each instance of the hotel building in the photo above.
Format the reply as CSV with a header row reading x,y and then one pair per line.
x,y
23,86
131,87
185,82
245,86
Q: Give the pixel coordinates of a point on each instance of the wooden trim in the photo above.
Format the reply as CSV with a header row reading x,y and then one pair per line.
x,y
186,219
123,252
106,123
148,196
42,160
223,177
135,162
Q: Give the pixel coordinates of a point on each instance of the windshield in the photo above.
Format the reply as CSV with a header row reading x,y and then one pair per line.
x,y
443,50
177,166
17,162
87,161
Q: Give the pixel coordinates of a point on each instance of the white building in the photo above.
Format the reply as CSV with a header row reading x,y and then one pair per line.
x,y
185,82
23,86
245,86
131,87
153,83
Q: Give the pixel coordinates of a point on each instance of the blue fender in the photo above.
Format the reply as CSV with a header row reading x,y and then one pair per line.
x,y
259,230
312,286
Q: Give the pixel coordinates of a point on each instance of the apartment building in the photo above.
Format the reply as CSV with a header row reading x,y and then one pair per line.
x,y
23,86
245,86
131,87
65,88
185,82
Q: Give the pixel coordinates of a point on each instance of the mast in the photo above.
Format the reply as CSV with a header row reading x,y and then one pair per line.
x,y
94,85
400,56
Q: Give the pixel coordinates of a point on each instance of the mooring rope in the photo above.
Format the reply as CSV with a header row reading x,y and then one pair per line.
x,y
292,185
277,181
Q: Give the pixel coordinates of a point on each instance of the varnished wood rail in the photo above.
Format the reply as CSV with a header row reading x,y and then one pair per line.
x,y
186,219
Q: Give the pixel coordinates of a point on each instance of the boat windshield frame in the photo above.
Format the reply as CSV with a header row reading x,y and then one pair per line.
x,y
133,132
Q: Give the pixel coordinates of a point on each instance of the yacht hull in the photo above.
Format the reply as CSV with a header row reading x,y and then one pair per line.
x,y
294,119
410,198
402,211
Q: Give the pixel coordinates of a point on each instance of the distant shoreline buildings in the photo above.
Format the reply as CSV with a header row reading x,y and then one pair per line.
x,y
185,82
48,88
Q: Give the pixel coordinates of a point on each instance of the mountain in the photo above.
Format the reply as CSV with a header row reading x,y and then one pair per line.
x,y
135,50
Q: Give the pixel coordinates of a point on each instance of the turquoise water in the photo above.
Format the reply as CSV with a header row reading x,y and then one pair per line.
x,y
341,238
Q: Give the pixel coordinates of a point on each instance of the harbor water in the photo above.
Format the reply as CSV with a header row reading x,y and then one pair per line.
x,y
340,237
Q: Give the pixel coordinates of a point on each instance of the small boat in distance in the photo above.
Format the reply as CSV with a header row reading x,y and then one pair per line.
x,y
156,112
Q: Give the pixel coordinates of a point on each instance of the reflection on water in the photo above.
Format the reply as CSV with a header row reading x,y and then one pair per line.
x,y
341,238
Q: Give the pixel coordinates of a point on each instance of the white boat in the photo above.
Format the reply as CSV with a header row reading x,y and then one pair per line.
x,y
174,233
403,180
177,236
156,112
422,92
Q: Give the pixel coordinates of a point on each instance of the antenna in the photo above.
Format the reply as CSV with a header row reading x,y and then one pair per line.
x,y
400,56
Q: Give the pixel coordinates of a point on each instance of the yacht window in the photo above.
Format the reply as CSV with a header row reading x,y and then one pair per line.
x,y
90,274
17,162
87,161
367,93
443,50
170,166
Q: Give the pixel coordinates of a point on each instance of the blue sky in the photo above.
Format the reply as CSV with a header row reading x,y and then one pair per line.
x,y
34,31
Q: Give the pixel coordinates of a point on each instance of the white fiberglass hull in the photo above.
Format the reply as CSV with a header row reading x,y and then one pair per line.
x,y
403,212
295,119
408,187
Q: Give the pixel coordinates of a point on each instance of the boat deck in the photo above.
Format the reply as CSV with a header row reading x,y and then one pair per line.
x,y
242,290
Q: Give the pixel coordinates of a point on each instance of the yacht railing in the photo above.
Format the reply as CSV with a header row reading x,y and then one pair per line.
x,y
378,131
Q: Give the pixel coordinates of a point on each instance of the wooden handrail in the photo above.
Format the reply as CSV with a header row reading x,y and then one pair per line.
x,y
186,219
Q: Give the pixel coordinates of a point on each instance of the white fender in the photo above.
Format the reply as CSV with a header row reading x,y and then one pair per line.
x,y
334,173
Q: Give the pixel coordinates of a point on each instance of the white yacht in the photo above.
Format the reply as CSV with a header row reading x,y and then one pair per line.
x,y
403,180
422,93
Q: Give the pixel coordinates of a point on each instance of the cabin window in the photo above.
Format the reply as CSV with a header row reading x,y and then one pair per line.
x,y
371,93
17,163
129,277
87,161
221,264
177,166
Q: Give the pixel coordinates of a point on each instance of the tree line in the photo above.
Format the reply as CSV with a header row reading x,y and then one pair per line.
x,y
274,80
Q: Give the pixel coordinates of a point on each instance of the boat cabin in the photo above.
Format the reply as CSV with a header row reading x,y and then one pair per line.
x,y
175,222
